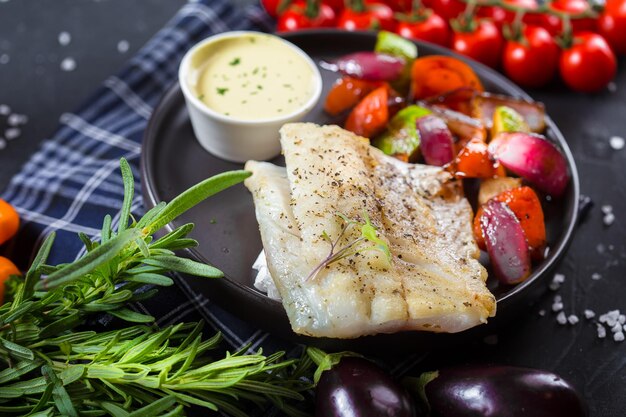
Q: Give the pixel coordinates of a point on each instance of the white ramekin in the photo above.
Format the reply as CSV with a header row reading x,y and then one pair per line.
x,y
236,139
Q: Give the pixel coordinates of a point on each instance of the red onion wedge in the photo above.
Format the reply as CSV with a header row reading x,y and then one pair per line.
x,y
370,66
506,243
435,140
533,158
463,126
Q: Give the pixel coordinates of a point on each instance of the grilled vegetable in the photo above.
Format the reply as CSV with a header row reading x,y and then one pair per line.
x,y
491,187
505,242
500,391
505,119
436,139
485,104
369,66
371,115
473,161
525,204
402,139
392,44
346,93
533,158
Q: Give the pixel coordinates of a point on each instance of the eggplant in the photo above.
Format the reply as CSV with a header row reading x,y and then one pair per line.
x,y
356,387
500,391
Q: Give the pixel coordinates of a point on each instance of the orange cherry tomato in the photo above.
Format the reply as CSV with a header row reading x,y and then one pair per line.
x,y
473,161
7,268
371,115
346,93
9,221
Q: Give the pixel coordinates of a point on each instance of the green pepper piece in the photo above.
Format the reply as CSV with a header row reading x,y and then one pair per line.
x,y
401,139
392,44
505,119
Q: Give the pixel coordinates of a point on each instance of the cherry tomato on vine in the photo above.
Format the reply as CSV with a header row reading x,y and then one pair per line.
x,y
305,16
336,5
482,42
575,7
532,60
612,25
361,15
426,26
500,15
399,5
447,9
271,7
589,64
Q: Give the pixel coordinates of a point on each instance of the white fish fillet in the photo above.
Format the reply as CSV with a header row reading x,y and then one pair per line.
x,y
433,282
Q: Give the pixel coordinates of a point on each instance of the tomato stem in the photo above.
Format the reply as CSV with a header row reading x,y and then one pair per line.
x,y
544,9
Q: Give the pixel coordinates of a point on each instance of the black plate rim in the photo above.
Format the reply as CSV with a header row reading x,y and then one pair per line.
x,y
556,253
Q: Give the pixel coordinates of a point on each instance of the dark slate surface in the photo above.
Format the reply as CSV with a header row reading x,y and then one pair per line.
x,y
33,84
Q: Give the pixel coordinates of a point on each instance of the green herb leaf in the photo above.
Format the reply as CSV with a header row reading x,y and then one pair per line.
x,y
235,62
185,266
221,91
129,192
131,316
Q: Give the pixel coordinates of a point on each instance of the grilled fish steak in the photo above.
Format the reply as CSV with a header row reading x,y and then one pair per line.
x,y
433,280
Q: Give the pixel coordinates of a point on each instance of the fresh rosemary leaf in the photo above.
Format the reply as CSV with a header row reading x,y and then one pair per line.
x,y
17,351
61,325
195,195
60,396
150,278
131,316
150,215
188,399
17,370
48,412
106,229
33,274
113,409
129,191
185,266
104,372
9,392
178,411
17,311
156,407
143,247
86,241
90,261
177,233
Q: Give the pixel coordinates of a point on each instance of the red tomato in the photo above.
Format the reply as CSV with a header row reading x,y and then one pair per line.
x,y
575,7
447,9
271,6
431,28
371,115
612,25
533,60
484,44
589,64
336,5
549,22
368,16
500,16
299,16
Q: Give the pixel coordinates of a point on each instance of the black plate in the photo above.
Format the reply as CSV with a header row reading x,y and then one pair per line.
x,y
227,230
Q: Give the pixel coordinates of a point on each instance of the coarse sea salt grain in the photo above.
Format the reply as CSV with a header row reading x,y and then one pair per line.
x,y
5,110
617,142
123,46
612,87
601,331
557,280
596,276
17,119
618,337
606,208
4,59
68,64
572,319
616,328
542,312
12,133
589,314
608,219
561,318
3,143
64,38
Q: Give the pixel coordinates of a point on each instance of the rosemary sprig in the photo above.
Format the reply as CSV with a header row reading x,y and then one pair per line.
x,y
48,368
368,240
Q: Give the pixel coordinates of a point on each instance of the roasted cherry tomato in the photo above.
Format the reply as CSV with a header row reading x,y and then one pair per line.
x,y
589,64
305,16
346,93
371,115
483,43
426,26
363,15
612,25
532,60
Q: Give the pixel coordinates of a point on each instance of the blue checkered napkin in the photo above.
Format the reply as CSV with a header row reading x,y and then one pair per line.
x,y
73,181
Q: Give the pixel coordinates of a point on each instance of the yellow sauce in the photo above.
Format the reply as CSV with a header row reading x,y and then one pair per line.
x,y
251,77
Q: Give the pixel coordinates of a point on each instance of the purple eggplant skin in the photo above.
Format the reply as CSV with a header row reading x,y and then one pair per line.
x,y
502,391
358,388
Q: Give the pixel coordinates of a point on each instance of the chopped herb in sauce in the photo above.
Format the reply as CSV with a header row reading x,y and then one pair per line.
x,y
259,87
221,91
255,70
201,97
234,62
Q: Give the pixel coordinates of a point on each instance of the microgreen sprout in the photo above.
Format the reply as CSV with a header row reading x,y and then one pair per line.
x,y
368,240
